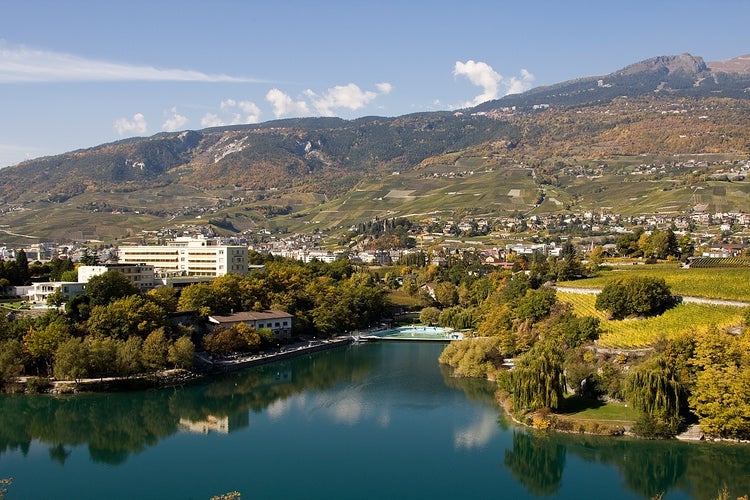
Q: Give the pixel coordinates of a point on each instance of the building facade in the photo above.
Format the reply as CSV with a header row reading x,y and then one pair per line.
x,y
189,257
142,275
279,322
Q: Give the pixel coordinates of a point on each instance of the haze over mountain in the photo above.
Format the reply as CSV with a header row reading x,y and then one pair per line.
x,y
588,116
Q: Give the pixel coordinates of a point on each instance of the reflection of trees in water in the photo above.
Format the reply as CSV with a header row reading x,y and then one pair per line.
x,y
476,389
536,462
115,425
648,468
651,468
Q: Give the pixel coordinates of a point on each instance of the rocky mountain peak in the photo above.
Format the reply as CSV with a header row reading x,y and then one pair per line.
x,y
682,63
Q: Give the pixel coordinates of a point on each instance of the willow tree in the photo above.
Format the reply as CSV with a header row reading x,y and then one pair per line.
x,y
654,389
538,379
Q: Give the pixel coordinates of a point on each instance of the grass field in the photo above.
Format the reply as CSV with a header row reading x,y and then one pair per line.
x,y
641,333
714,283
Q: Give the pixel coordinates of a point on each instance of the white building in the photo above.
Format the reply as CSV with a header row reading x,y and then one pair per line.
x,y
142,275
189,257
279,322
40,291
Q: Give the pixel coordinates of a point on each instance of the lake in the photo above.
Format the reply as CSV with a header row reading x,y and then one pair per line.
x,y
368,421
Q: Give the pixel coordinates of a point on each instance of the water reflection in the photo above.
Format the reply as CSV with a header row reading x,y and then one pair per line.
x,y
537,462
113,426
378,392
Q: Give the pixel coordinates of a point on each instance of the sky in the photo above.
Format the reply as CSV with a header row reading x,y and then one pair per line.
x,y
76,74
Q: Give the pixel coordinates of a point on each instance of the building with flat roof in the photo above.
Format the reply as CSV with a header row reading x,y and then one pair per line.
x,y
41,290
142,275
188,257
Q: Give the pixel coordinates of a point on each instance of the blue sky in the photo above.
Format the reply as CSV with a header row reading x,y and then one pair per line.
x,y
75,74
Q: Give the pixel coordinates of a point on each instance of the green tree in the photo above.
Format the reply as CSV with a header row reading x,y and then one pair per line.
x,y
653,389
128,359
446,294
721,396
182,353
10,361
22,262
109,286
196,297
429,316
536,304
42,343
537,380
155,350
635,296
71,360
102,356
166,297
121,318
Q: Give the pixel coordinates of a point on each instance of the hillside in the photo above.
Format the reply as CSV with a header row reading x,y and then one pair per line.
x,y
663,111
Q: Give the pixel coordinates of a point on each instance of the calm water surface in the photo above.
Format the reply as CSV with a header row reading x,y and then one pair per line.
x,y
380,420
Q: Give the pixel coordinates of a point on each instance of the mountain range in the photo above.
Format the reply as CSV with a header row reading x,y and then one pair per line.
x,y
664,106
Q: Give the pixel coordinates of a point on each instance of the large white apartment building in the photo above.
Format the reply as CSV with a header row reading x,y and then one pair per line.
x,y
189,257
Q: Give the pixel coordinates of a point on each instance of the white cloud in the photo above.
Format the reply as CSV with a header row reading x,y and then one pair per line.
x,y
174,121
233,113
345,96
482,75
22,64
136,126
384,88
283,105
522,84
211,120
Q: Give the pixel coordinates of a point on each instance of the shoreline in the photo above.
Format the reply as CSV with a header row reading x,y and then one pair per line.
x,y
203,369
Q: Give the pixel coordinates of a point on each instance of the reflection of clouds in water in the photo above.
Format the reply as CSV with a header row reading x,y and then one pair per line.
x,y
278,408
348,410
346,407
477,434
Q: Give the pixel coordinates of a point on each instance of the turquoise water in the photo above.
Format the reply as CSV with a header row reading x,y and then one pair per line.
x,y
368,421
420,332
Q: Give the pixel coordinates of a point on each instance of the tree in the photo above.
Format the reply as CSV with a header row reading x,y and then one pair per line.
x,y
429,316
128,358
102,356
635,296
22,263
10,361
537,380
155,350
71,360
196,297
721,395
446,294
109,286
121,318
167,297
42,343
182,352
536,304
653,389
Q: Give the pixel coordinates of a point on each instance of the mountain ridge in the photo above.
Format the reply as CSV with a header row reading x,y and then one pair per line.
x,y
630,111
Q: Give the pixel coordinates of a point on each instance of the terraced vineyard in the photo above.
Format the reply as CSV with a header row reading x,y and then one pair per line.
x,y
640,333
714,283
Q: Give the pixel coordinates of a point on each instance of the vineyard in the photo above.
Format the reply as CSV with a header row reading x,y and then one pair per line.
x,y
714,262
640,333
714,283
